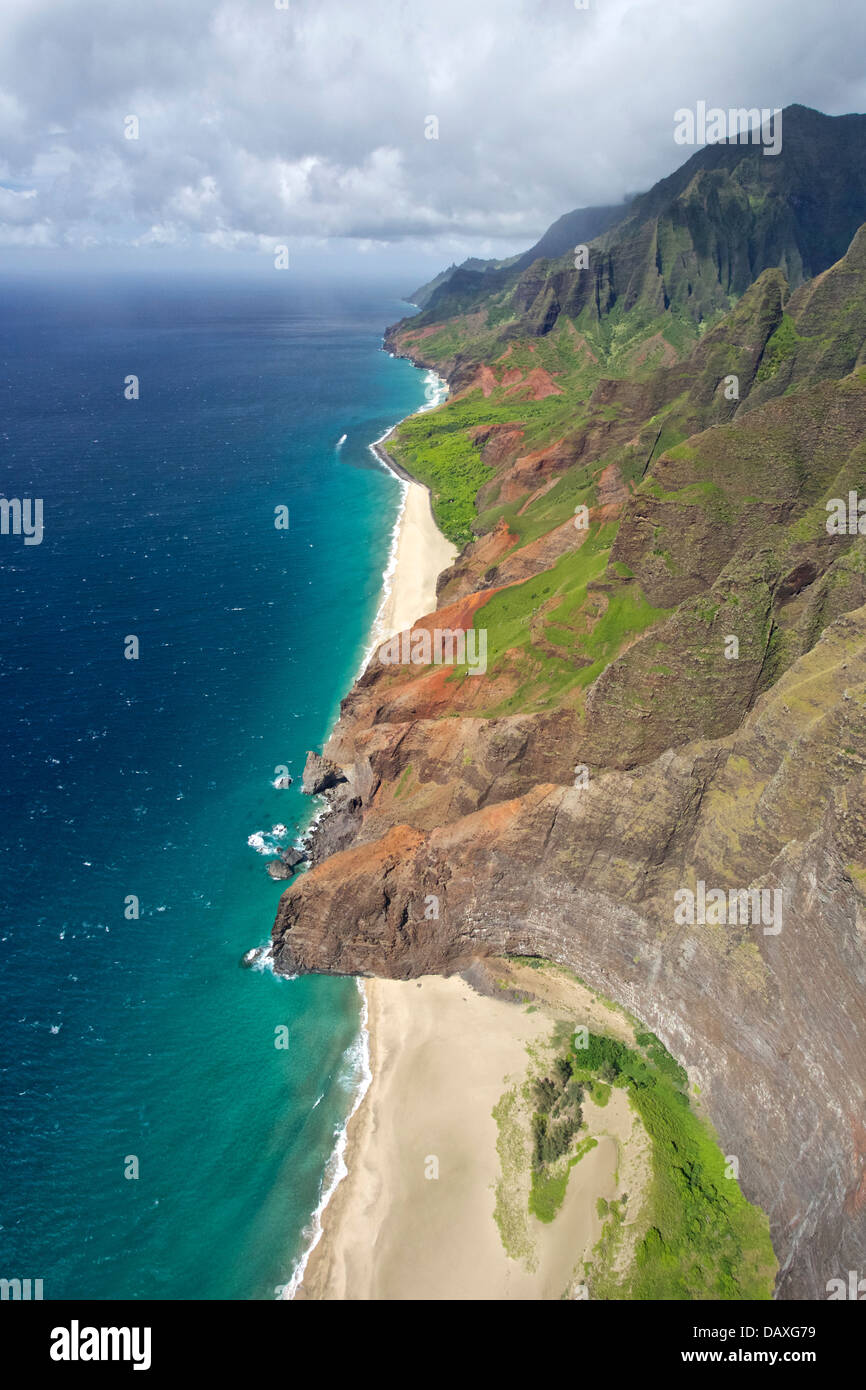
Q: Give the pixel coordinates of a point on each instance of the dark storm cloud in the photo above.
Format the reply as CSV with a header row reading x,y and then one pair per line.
x,y
259,124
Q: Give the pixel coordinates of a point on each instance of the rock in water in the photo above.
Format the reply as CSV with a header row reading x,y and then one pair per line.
x,y
288,861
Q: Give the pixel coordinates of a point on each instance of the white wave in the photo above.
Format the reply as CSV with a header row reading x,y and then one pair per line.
x,y
268,841
322,809
436,390
261,958
264,960
358,1058
377,631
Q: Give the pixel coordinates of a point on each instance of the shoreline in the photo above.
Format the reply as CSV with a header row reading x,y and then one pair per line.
x,y
336,1168
440,1056
417,555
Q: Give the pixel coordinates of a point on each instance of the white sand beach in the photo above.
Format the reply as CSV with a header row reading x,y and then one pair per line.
x,y
414,1218
422,554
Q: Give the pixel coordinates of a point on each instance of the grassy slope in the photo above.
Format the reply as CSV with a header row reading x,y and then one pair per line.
x,y
553,634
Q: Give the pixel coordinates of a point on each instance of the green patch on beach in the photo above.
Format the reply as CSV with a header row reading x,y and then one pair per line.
x,y
698,1237
547,1193
509,1211
600,1093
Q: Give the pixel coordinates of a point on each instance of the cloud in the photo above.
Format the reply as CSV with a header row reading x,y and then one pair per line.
x,y
258,124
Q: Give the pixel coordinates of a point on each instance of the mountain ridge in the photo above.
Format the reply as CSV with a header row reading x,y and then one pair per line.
x,y
693,243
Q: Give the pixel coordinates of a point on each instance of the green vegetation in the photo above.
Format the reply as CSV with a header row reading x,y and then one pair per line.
x,y
509,1213
435,449
556,1119
699,1238
781,346
404,780
554,633
547,1193
693,1235
600,1093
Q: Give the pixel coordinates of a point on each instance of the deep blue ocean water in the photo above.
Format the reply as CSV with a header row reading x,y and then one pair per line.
x,y
144,1038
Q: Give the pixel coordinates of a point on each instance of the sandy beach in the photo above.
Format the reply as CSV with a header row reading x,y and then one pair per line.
x,y
422,553
414,1218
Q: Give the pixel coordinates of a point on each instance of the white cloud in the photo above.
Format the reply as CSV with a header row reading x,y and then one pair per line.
x,y
258,124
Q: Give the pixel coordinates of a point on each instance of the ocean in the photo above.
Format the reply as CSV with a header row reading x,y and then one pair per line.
x,y
167,1115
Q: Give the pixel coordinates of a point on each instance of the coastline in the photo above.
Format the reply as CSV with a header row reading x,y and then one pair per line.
x,y
420,554
419,551
417,555
336,1168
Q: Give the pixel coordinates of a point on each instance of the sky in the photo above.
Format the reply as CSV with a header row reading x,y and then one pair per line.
x,y
309,123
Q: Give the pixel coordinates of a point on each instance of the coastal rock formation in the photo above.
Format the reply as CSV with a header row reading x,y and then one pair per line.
x,y
320,775
286,864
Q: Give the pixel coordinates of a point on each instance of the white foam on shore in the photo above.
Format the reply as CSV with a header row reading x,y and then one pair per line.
x,y
322,809
268,841
435,391
358,1058
377,631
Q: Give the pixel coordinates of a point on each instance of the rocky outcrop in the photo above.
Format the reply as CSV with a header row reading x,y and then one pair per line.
x,y
320,775
285,864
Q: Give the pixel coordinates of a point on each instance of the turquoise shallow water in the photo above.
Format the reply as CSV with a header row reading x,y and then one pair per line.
x,y
143,1037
